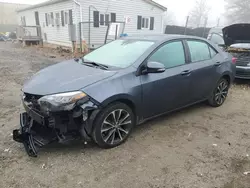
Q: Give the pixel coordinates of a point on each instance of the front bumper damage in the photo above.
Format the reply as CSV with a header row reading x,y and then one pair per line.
x,y
27,134
37,130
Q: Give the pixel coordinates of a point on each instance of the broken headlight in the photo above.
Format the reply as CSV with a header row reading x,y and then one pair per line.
x,y
61,101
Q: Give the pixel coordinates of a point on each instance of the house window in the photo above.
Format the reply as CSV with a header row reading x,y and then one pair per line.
x,y
52,19
57,15
57,20
145,23
152,23
102,19
106,19
48,19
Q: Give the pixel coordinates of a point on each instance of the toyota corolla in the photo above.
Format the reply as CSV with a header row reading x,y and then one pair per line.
x,y
103,95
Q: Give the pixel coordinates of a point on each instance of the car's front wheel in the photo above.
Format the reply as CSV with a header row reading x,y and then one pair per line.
x,y
220,93
113,125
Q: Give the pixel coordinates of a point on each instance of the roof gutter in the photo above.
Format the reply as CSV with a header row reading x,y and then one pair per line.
x,y
40,5
156,4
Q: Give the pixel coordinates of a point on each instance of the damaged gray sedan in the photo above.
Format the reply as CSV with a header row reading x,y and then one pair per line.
x,y
103,95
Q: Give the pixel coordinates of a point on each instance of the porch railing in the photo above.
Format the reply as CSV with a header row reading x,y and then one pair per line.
x,y
29,33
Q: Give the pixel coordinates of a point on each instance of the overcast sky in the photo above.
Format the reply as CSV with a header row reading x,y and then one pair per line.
x,y
180,8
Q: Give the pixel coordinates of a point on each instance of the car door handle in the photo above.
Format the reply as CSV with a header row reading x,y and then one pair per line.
x,y
217,64
186,72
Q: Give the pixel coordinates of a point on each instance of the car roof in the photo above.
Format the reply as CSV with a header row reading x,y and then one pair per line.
x,y
160,37
216,30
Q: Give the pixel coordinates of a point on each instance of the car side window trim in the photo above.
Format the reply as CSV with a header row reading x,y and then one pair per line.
x,y
187,52
211,47
138,73
208,45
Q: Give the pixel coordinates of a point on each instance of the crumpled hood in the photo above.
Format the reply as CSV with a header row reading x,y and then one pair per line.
x,y
64,77
237,33
241,46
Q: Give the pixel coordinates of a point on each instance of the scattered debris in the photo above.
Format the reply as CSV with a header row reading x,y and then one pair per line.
x,y
3,125
189,135
217,136
199,174
215,145
43,166
246,173
52,56
229,143
7,150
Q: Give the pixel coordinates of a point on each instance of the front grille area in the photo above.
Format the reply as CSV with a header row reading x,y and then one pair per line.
x,y
31,97
32,101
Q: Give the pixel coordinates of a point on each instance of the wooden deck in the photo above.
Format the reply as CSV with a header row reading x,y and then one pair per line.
x,y
28,34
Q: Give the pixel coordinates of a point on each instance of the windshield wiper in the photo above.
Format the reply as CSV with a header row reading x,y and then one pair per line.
x,y
105,67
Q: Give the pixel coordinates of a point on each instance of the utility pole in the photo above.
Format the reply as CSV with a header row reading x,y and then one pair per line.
x,y
186,25
218,22
205,25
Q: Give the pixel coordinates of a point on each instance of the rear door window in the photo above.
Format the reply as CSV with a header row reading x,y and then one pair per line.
x,y
212,52
217,39
171,55
199,50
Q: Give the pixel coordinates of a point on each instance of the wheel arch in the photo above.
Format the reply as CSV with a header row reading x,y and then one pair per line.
x,y
228,78
122,98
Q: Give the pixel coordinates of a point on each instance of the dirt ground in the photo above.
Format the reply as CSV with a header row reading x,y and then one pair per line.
x,y
199,147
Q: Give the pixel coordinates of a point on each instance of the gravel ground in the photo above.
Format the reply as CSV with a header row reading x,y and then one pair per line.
x,y
199,147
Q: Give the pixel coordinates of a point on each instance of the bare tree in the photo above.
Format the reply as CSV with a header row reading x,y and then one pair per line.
x,y
199,13
238,11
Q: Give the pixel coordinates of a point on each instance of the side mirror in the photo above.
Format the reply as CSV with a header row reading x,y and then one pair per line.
x,y
154,67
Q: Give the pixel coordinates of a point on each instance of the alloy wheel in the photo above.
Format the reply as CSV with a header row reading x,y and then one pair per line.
x,y
116,126
221,92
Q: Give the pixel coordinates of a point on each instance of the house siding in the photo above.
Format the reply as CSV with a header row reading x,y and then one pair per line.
x,y
128,8
55,34
123,8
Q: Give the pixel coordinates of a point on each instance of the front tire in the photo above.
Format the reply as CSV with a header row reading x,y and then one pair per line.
x,y
113,125
220,93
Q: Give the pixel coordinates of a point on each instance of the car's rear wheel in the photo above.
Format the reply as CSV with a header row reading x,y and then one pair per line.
x,y
220,93
113,125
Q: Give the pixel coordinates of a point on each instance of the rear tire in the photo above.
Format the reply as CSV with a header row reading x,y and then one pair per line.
x,y
113,125
220,93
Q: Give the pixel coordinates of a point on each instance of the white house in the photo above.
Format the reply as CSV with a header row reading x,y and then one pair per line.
x,y
56,16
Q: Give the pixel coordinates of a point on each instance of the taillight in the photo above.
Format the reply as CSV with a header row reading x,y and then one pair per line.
x,y
234,60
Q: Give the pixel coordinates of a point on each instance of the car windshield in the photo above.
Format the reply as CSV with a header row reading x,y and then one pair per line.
x,y
119,53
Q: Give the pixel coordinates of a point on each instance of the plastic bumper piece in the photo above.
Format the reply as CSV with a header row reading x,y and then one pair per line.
x,y
23,135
